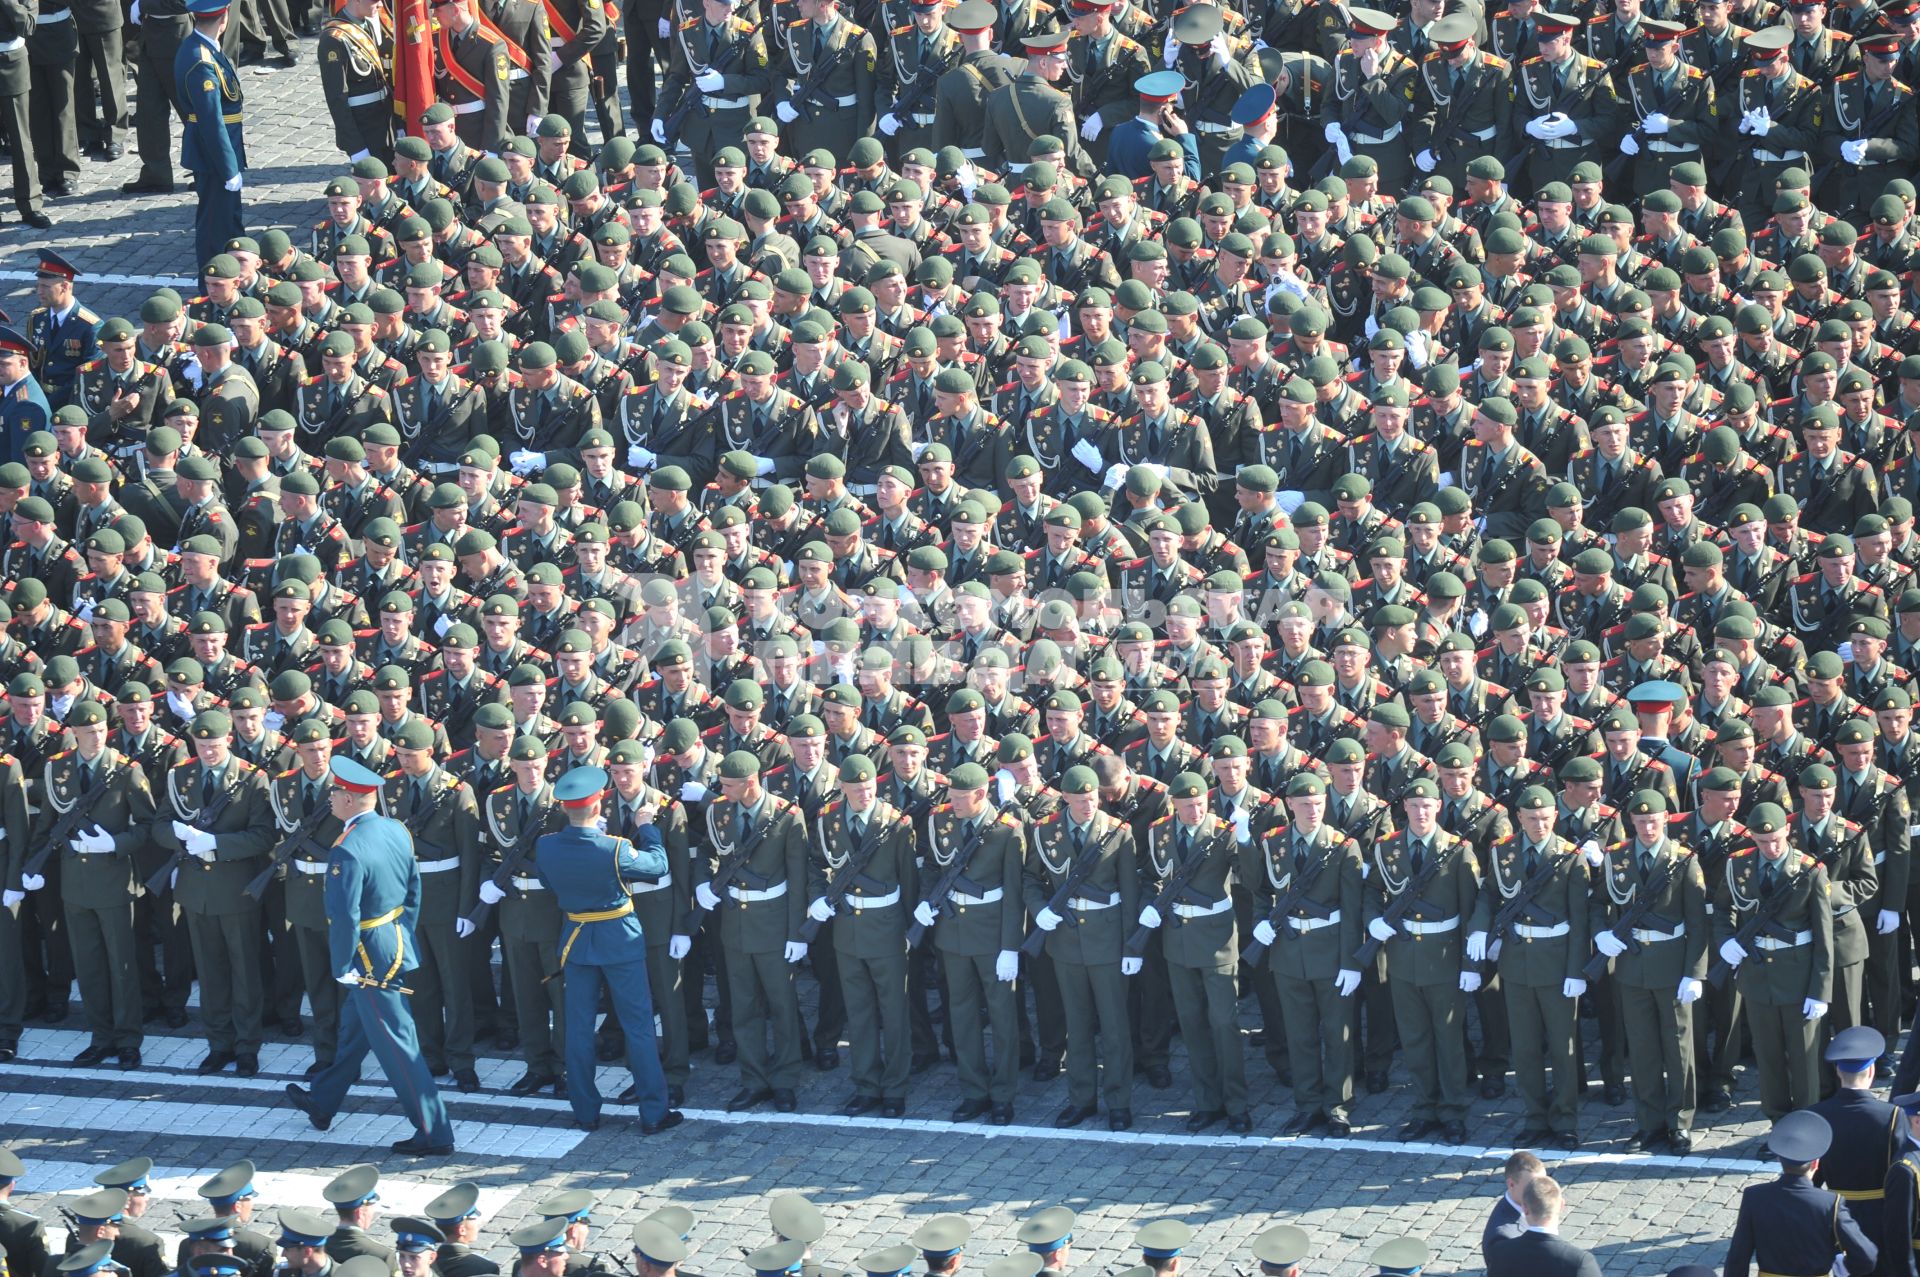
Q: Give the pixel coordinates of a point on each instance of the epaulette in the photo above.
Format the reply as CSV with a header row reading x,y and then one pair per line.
x,y
1744,851
901,30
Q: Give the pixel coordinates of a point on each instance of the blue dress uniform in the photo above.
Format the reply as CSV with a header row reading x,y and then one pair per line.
x,y
1789,1227
1651,698
1899,1235
1131,140
601,943
211,145
63,339
373,897
1255,105
23,404
1868,1132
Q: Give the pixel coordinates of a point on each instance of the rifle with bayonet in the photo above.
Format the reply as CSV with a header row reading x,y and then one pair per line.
x,y
303,836
1399,907
1077,875
203,820
949,880
67,826
1170,890
728,58
1630,917
1295,897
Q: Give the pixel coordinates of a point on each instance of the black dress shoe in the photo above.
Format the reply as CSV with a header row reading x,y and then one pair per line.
x,y
60,189
7,1051
628,1094
1453,1133
607,1051
1646,1141
1204,1118
1046,1068
1492,1088
746,1098
507,1040
113,151
1120,1120
144,185
177,1017
1338,1128
1002,1115
921,1063
968,1110
676,1095
560,1087
1240,1123
586,1123
727,1052
93,1055
893,1108
1377,1083
217,1060
1417,1130
130,1060
671,1119
1717,1100
1303,1123
466,1080
783,1101
56,1013
301,1099
152,1015
420,1146
318,1067
860,1104
1072,1116
1159,1077
1569,1141
247,1065
826,1058
529,1082
1614,1093
1531,1136
1681,1143
293,1028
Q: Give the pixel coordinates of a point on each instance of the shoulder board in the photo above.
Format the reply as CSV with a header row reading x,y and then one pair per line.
x,y
1493,61
901,30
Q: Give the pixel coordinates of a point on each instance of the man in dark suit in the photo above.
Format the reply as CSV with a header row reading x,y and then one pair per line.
x,y
1507,1221
1540,1251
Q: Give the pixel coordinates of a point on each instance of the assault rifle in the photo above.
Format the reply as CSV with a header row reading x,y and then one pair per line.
x,y
1170,890
1295,898
290,847
1077,875
208,815
1631,916
936,895
66,827
1399,908
729,57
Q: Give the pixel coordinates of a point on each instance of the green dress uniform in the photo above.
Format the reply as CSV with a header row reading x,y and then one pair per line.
x,y
1376,113
293,796
1312,945
1669,945
1463,113
1684,94
13,984
661,906
960,100
1025,109
1198,938
1101,74
1539,962
839,109
979,927
1853,882
717,118
1881,117
1578,86
1793,103
440,811
871,854
1424,962
1789,963
759,920
354,60
97,885
512,818
223,922
1085,947
1214,86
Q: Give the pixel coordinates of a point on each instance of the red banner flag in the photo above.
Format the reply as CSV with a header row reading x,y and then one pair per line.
x,y
412,63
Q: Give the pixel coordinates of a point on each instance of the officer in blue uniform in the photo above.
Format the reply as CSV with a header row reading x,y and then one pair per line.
x,y
211,145
94,1257
1899,1235
1653,703
372,900
1868,1132
1789,1227
601,943
1253,106
65,334
1129,144
23,404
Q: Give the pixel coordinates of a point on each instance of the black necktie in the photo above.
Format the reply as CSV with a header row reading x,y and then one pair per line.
x,y
1419,855
206,788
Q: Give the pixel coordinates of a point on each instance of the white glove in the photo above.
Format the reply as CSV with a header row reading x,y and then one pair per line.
x,y
1656,123
890,124
235,182
1335,135
273,720
820,910
659,130
1477,946
1537,127
1150,917
1630,144
710,81
1591,850
182,830
1469,982
350,978
1853,152
692,791
32,882
441,624
92,842
11,899
1115,476
462,928
924,915
1005,785
1562,126
788,114
796,951
1263,932
1221,50
1689,991
1762,123
1746,122
1006,967
1172,54
762,467
1241,819
84,610
678,947
1733,953
490,894
1427,161
1046,920
1382,930
359,155
1131,966
1572,987
201,846
666,28
639,457
1091,129
1346,982
1888,922
524,461
1608,943
133,14
703,892
1813,1009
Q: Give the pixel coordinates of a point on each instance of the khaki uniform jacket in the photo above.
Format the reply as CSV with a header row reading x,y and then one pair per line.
x,y
876,931
246,834
1682,906
1317,939
1089,936
1788,975
97,880
1529,956
973,925
1427,958
778,860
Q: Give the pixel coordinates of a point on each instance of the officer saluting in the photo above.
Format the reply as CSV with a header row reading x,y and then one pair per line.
x,y
373,898
589,873
1789,1227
